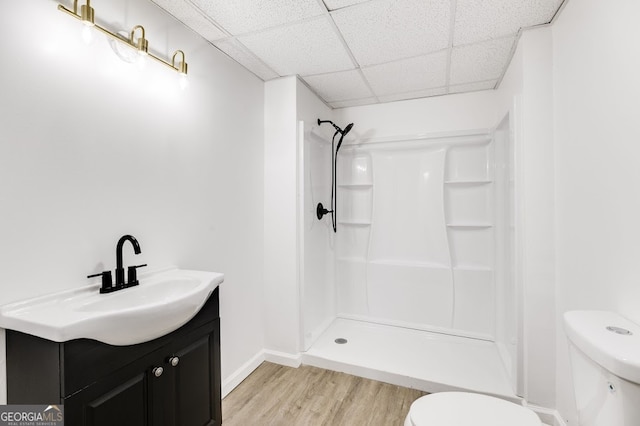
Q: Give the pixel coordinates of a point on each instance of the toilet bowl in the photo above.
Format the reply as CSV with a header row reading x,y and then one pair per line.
x,y
468,409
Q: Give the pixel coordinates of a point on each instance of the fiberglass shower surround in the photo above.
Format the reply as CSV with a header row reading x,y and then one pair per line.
x,y
423,234
320,209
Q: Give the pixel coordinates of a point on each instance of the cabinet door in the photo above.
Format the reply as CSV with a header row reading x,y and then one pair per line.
x,y
109,402
197,395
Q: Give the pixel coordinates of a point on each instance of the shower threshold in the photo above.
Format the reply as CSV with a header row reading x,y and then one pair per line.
x,y
423,360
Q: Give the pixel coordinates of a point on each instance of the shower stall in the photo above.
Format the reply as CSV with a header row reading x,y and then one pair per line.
x,y
419,279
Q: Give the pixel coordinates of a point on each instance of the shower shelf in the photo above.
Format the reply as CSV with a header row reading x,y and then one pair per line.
x,y
355,185
468,182
354,222
405,263
470,225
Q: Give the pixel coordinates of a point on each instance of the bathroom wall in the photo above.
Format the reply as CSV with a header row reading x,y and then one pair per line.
x,y
281,298
298,264
596,58
92,148
316,237
528,86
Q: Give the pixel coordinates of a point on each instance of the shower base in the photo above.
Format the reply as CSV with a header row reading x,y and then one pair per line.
x,y
427,361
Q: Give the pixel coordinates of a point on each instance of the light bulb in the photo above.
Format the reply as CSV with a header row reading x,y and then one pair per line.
x,y
141,61
87,34
183,81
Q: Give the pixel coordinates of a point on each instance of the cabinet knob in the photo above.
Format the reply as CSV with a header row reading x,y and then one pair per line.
x,y
157,371
174,360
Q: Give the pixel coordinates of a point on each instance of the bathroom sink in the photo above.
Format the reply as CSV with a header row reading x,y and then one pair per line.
x,y
164,301
609,339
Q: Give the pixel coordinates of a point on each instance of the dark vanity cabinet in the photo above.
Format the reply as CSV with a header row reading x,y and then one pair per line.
x,y
170,381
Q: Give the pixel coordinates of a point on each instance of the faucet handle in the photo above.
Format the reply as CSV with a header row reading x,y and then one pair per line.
x,y
107,285
132,274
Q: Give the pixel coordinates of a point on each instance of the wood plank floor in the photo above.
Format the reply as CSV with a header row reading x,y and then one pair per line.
x,y
308,396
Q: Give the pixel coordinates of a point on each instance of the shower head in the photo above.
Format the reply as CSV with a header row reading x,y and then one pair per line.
x,y
344,132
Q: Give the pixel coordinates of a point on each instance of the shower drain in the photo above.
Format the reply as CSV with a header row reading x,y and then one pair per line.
x,y
341,340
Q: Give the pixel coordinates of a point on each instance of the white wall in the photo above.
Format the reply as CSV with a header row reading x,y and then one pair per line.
x,y
596,67
281,293
317,285
535,215
92,148
460,112
287,101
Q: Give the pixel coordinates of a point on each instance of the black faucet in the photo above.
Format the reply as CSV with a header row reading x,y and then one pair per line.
x,y
132,274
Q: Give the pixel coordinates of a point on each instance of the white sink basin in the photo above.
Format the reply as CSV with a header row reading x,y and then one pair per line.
x,y
163,302
609,339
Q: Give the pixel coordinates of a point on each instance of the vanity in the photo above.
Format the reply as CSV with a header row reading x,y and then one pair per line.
x,y
149,355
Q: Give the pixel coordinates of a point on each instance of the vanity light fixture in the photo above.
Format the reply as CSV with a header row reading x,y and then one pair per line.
x,y
182,66
142,44
139,43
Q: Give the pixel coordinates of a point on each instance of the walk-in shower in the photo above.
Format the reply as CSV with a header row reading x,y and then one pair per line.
x,y
420,280
320,209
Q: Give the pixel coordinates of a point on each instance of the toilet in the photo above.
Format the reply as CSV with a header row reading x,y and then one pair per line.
x,y
604,352
468,409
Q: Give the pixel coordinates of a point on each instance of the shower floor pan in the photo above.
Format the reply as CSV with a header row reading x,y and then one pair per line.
x,y
430,362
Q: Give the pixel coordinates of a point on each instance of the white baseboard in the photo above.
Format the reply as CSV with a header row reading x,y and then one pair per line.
x,y
283,358
247,368
241,373
547,415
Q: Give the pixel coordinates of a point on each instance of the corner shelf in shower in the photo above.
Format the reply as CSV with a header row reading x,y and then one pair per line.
x,y
363,185
470,225
405,263
468,182
354,222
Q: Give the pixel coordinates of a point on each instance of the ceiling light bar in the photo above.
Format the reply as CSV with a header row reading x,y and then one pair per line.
x,y
139,43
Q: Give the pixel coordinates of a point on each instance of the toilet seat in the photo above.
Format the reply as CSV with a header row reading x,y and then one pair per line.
x,y
468,409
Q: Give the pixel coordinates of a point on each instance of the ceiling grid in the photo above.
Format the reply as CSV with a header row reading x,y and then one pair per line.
x,y
359,52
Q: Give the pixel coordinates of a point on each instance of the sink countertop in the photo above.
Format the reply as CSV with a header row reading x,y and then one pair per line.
x,y
162,302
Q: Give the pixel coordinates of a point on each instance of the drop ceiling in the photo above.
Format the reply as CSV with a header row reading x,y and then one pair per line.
x,y
358,52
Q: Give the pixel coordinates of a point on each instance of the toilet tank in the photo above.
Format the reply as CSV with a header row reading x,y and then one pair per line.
x,y
604,350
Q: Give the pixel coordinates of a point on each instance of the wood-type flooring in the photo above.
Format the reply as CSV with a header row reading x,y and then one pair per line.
x,y
276,395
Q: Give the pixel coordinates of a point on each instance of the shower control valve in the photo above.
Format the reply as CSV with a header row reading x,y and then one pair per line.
x,y
321,211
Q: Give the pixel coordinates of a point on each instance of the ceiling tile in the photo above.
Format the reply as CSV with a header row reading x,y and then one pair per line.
x,y
339,4
473,87
339,86
414,95
419,73
310,47
481,61
241,16
354,102
192,18
238,52
387,30
479,20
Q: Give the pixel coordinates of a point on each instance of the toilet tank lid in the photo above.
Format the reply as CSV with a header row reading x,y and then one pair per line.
x,y
610,347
